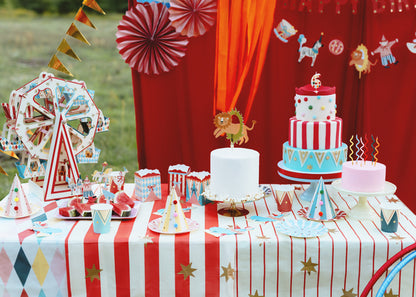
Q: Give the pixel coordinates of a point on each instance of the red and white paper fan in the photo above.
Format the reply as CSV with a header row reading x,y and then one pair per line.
x,y
147,41
192,17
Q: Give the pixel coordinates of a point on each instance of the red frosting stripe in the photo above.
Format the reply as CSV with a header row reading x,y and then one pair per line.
x,y
309,90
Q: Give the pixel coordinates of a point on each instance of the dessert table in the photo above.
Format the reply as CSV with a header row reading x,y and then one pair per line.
x,y
243,256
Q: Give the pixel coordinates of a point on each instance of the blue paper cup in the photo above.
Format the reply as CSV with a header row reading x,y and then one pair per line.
x,y
101,217
389,217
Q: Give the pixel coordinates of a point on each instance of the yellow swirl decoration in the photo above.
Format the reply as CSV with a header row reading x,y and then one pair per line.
x,y
352,151
376,149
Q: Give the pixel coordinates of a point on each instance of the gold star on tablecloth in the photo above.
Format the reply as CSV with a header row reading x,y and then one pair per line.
x,y
187,271
397,237
228,272
93,273
333,230
264,237
348,293
255,294
147,239
390,294
308,266
393,200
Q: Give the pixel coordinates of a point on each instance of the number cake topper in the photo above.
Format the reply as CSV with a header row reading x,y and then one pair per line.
x,y
315,82
234,131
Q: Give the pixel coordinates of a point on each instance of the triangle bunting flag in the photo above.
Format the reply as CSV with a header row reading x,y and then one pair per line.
x,y
93,5
67,50
83,18
75,33
56,64
319,157
303,156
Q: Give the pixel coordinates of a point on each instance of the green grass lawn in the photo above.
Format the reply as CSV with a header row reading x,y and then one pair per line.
x,y
27,42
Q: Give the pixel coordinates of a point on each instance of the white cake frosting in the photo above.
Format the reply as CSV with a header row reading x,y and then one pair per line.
x,y
234,174
363,176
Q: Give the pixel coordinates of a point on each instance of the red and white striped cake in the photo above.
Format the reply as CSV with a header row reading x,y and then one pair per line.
x,y
315,135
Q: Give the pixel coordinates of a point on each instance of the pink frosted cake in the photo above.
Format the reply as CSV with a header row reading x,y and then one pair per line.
x,y
363,176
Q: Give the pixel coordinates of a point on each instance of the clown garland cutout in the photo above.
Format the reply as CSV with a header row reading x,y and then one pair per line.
x,y
385,52
234,131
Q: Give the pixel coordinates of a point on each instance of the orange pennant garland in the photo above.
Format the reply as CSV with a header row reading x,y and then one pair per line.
x,y
56,64
10,153
93,5
74,32
2,171
83,18
67,50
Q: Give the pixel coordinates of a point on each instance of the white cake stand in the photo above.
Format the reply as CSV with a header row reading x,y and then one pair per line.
x,y
233,210
361,211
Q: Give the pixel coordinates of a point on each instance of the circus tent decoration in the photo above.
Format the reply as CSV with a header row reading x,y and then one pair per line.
x,y
192,17
147,41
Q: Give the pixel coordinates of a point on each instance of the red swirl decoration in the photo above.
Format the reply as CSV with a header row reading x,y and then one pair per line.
x,y
147,41
192,17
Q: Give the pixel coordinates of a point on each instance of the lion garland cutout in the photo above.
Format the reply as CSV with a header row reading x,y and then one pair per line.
x,y
234,131
359,58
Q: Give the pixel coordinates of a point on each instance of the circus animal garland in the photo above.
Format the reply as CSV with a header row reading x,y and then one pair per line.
x,y
359,58
234,131
311,52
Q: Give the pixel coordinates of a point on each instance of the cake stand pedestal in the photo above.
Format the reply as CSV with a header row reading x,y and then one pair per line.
x,y
309,177
361,211
233,210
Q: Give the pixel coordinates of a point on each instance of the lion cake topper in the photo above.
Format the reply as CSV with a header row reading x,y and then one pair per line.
x,y
235,132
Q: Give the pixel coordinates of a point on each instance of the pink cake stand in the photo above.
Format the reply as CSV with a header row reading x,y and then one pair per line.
x,y
361,211
309,177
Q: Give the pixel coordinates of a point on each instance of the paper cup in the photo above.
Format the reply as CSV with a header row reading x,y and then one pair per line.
x,y
389,217
101,217
283,194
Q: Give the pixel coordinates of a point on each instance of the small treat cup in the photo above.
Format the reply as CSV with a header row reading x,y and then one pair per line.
x,y
101,217
389,217
284,196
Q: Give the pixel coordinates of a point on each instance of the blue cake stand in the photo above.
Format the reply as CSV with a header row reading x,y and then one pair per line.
x,y
308,177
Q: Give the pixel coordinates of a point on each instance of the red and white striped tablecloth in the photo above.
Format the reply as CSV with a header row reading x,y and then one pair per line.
x,y
131,260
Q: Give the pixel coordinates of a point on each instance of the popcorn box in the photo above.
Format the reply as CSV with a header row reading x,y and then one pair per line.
x,y
177,174
147,184
196,182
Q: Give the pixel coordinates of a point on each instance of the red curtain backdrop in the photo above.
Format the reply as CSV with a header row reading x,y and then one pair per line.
x,y
174,109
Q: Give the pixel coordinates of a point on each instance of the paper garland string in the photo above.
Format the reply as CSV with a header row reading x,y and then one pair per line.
x,y
73,31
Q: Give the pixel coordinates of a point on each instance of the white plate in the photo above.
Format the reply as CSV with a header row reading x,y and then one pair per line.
x,y
301,228
33,206
154,226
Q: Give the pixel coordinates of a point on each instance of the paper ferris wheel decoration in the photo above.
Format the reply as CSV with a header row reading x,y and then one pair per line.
x,y
147,41
192,17
52,123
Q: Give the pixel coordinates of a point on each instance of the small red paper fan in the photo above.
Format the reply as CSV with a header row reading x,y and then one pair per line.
x,y
147,41
192,17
